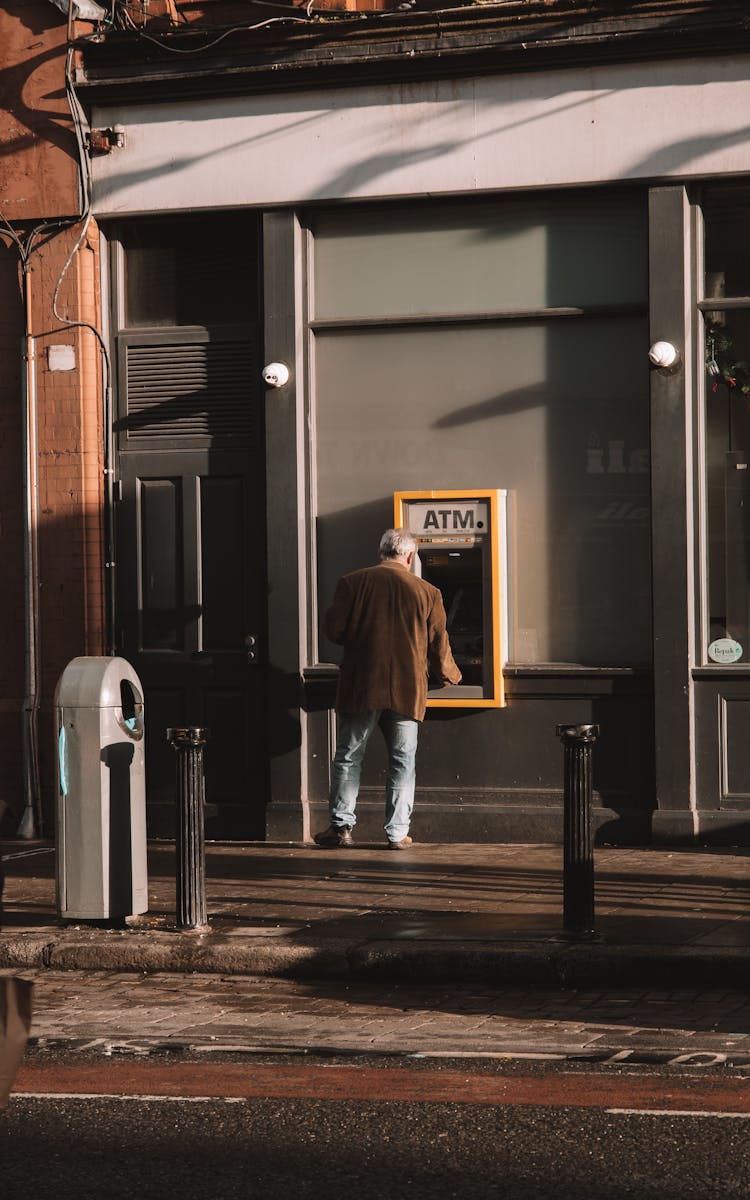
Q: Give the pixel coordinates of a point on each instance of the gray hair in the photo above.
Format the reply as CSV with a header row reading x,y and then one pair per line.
x,y
397,543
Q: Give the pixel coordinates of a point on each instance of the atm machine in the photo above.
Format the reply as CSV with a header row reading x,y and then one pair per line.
x,y
462,540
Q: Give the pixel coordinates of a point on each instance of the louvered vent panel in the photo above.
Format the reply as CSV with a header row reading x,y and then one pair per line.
x,y
203,391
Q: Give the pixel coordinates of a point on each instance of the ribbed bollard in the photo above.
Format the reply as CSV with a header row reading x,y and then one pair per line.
x,y
188,744
578,865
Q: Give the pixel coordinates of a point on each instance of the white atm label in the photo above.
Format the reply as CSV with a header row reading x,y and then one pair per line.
x,y
448,517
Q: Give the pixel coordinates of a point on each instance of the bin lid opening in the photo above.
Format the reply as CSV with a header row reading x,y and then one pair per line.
x,y
131,703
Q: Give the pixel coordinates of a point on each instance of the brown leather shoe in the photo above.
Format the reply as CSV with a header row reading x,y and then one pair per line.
x,y
335,835
404,844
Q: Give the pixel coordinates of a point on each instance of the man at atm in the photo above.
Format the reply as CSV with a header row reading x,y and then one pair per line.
x,y
392,627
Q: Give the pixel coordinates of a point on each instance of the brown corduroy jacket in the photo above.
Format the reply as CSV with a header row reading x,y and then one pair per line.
x,y
391,625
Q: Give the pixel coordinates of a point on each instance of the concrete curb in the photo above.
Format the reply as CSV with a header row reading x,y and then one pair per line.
x,y
544,963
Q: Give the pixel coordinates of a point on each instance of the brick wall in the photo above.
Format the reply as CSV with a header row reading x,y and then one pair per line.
x,y
70,457
70,496
38,183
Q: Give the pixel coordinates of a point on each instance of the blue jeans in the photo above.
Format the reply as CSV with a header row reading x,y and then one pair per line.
x,y
401,735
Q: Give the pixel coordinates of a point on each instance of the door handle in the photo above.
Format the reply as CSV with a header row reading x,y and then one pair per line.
x,y
251,647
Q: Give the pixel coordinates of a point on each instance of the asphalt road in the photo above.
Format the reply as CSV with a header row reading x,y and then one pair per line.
x,y
295,1130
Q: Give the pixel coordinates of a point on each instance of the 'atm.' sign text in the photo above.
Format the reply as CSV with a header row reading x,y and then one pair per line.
x,y
467,517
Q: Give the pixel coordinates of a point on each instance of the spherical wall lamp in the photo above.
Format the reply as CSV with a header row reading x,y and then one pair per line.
x,y
664,355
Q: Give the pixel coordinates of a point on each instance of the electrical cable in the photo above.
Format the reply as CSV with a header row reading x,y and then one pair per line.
x,y
310,10
12,234
147,37
293,8
85,217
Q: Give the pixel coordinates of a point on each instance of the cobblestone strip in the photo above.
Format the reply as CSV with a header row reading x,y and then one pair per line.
x,y
138,1014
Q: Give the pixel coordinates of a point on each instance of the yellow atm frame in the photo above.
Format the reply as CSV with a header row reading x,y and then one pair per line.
x,y
458,518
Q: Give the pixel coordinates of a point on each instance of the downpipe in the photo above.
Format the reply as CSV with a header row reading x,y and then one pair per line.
x,y
31,818
109,519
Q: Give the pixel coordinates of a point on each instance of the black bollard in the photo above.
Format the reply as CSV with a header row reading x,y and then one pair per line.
x,y
188,744
578,865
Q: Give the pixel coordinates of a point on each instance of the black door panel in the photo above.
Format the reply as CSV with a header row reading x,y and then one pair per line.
x,y
190,571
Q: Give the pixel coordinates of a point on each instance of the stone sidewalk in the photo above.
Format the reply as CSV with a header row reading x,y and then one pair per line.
x,y
480,913
440,950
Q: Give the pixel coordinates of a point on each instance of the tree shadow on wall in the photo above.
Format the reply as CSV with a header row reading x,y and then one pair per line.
x,y
24,86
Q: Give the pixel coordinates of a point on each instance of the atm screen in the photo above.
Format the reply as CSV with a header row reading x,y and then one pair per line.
x,y
459,576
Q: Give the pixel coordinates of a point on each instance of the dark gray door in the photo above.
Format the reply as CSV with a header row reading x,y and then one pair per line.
x,y
190,517
190,554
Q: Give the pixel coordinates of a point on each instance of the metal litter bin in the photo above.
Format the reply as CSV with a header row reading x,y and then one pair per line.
x,y
101,794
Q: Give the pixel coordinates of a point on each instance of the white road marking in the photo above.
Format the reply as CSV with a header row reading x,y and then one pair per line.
x,y
148,1098
118,1096
675,1112
502,1054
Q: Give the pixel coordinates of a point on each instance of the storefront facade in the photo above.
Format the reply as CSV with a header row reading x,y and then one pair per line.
x,y
464,277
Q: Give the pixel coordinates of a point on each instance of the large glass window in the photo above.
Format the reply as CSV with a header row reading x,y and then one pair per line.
x,y
725,306
495,346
